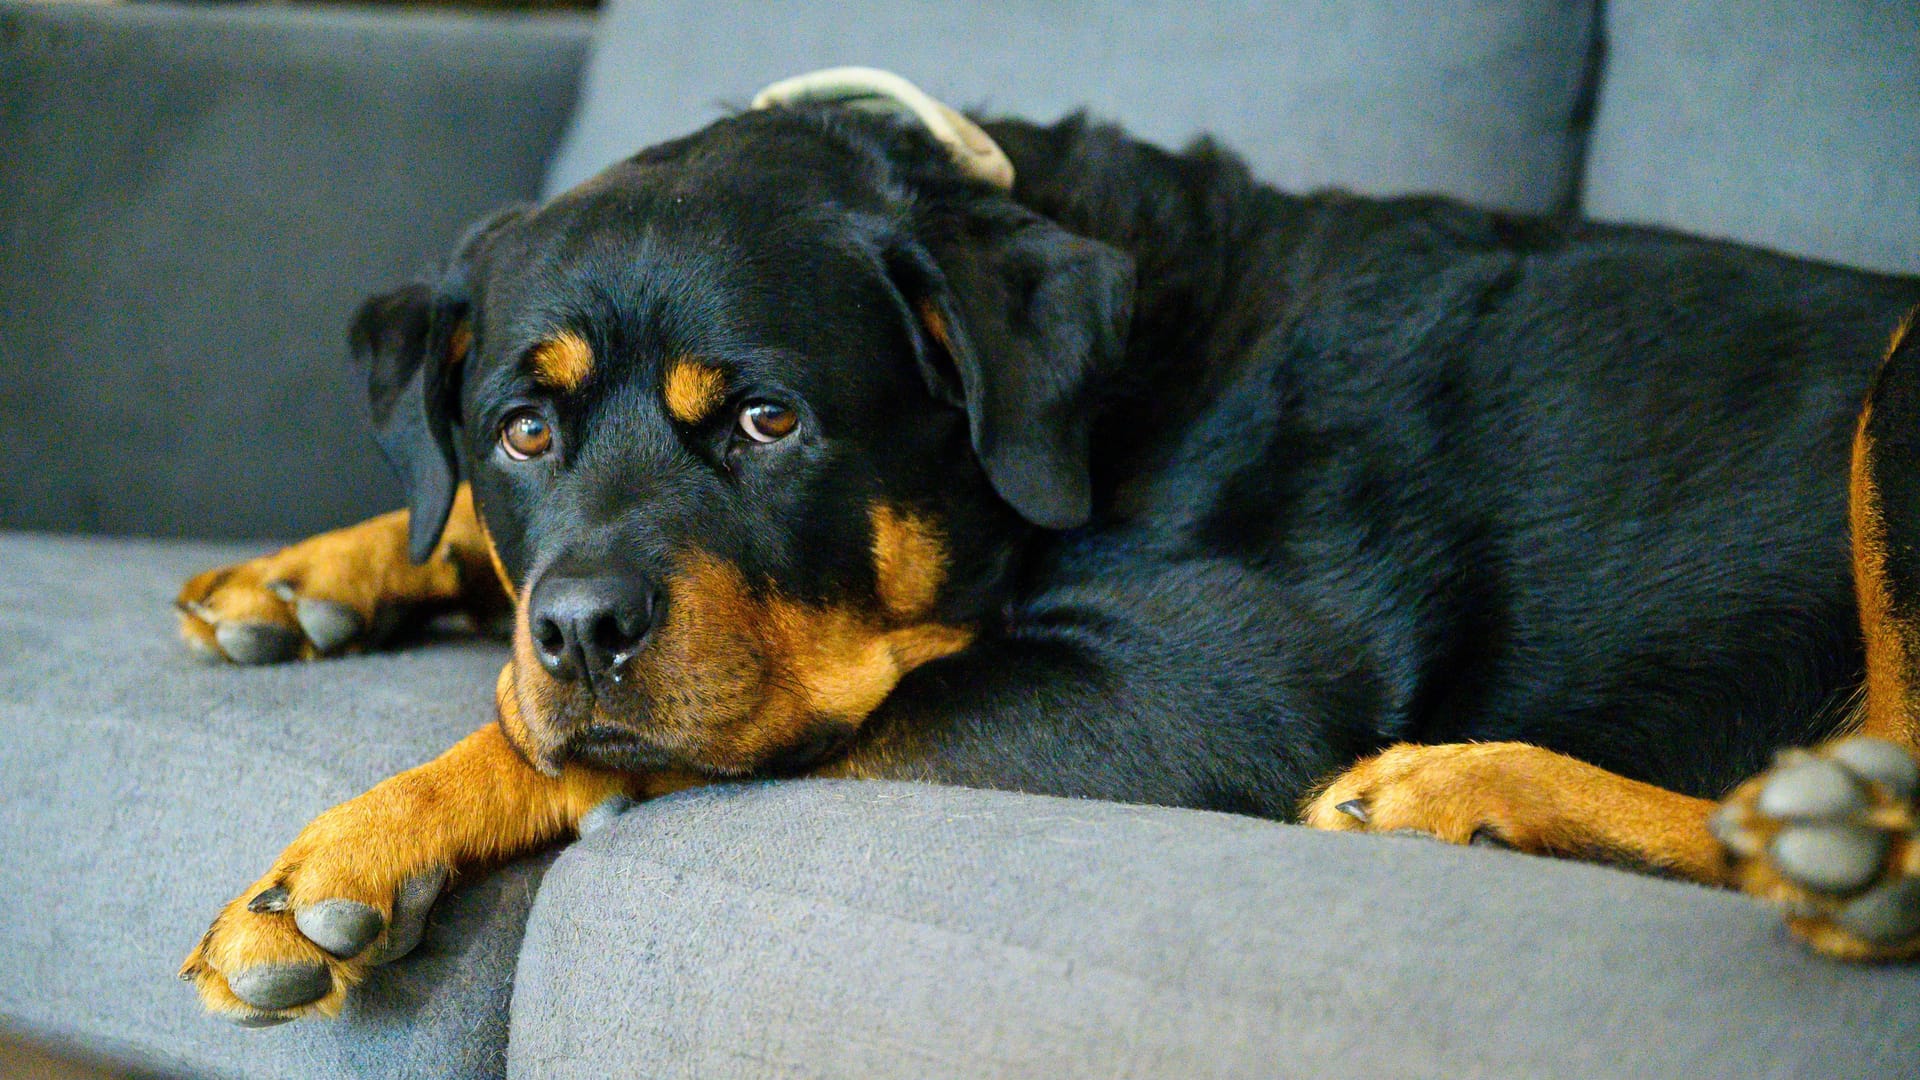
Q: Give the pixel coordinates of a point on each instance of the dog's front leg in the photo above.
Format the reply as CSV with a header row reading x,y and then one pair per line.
x,y
353,888
342,591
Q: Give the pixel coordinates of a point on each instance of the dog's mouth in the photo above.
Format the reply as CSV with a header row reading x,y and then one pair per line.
x,y
604,746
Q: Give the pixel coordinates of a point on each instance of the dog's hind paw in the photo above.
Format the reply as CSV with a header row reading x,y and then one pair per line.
x,y
1831,837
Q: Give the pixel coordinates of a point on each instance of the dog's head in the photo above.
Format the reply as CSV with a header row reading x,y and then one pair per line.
x,y
756,422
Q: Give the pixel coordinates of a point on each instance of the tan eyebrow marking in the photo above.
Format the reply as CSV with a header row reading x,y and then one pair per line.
x,y
936,324
563,361
459,343
692,390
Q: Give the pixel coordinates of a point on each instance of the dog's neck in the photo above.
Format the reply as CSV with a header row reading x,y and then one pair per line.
x,y
1189,221
1183,217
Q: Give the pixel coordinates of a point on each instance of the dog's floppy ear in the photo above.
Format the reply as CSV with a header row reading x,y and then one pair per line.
x,y
410,343
1024,315
1017,311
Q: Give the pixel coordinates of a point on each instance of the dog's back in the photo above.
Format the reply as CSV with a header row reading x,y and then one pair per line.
x,y
1584,485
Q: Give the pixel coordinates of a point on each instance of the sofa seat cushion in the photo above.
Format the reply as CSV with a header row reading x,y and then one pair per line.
x,y
141,788
1381,96
814,929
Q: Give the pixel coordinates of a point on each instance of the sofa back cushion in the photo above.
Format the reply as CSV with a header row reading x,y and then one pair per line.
x,y
192,203
1784,123
1481,101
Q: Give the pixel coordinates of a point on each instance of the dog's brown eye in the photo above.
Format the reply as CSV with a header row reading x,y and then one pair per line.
x,y
525,434
765,422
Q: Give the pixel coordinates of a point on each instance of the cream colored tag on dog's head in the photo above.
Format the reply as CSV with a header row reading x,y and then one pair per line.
x,y
871,88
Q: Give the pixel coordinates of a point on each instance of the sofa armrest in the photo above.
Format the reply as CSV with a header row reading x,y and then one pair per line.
x,y
845,929
193,200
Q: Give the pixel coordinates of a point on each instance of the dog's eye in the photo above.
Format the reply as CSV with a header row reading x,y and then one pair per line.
x,y
525,434
765,422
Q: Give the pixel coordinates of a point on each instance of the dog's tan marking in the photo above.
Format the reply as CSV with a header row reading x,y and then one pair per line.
x,y
692,390
814,663
935,324
909,562
459,343
1891,710
563,361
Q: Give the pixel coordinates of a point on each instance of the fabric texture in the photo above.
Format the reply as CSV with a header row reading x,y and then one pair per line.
x,y
1786,124
141,789
1481,101
193,202
891,930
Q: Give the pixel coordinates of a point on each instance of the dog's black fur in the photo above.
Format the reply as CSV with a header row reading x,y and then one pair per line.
x,y
1236,486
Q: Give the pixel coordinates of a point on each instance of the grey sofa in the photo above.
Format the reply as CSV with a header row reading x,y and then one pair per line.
x,y
193,199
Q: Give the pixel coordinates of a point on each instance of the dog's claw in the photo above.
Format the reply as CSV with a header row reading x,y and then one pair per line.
x,y
272,987
1355,809
344,928
269,900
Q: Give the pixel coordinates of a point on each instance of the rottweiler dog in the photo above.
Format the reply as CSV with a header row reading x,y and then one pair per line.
x,y
853,437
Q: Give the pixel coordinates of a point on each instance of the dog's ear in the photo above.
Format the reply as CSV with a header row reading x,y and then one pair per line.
x,y
411,343
1021,317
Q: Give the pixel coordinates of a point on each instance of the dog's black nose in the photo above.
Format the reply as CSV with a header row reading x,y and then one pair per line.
x,y
588,625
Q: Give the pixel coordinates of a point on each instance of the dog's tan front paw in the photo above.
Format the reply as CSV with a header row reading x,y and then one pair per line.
x,y
335,905
1463,793
336,592
1829,836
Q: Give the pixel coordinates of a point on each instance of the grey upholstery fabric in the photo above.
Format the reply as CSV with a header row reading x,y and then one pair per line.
x,y
1478,101
193,201
141,789
888,930
1775,122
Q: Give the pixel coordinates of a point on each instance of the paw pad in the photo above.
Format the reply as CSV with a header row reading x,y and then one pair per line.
x,y
1830,837
344,928
1886,915
257,642
1839,857
281,986
1815,788
328,624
